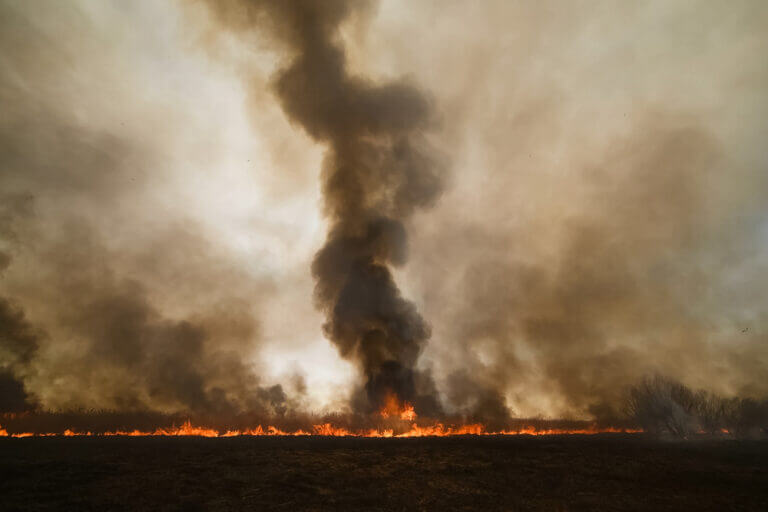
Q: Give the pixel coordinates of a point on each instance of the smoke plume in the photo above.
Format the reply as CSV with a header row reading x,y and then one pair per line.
x,y
18,344
377,172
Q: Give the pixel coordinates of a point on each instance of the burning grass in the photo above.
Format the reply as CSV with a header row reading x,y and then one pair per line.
x,y
402,424
326,429
657,406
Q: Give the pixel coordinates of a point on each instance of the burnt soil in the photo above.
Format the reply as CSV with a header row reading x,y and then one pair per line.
x,y
553,473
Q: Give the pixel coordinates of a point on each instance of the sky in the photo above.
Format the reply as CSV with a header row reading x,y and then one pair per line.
x,y
582,203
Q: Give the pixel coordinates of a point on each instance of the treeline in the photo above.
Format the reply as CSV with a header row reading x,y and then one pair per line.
x,y
663,406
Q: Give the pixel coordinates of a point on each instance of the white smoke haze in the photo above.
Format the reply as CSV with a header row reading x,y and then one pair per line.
x,y
601,214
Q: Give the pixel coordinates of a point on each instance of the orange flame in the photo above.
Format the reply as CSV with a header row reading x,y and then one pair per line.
x,y
327,429
393,408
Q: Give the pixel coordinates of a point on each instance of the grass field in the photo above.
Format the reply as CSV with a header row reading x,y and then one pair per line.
x,y
553,473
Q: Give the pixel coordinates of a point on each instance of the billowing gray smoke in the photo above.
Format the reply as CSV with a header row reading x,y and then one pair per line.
x,y
18,344
377,171
83,317
18,339
606,217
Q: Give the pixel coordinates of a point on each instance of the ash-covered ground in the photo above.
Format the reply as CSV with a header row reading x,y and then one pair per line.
x,y
553,473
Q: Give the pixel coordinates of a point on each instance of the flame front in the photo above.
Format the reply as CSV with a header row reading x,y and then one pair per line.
x,y
327,429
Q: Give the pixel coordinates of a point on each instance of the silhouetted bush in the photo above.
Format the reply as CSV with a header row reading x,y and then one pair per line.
x,y
663,406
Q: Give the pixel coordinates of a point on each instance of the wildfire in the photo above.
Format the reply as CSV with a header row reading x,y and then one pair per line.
x,y
394,408
327,429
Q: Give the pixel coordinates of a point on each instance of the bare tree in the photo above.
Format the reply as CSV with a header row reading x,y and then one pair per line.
x,y
663,406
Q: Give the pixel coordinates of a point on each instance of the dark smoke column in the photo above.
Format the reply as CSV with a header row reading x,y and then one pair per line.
x,y
375,174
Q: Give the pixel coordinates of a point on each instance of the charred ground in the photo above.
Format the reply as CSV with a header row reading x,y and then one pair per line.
x,y
601,472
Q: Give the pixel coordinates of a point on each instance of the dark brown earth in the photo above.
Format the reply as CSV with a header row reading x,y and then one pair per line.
x,y
553,473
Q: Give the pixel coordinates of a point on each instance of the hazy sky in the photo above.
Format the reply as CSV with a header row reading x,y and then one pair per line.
x,y
602,213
